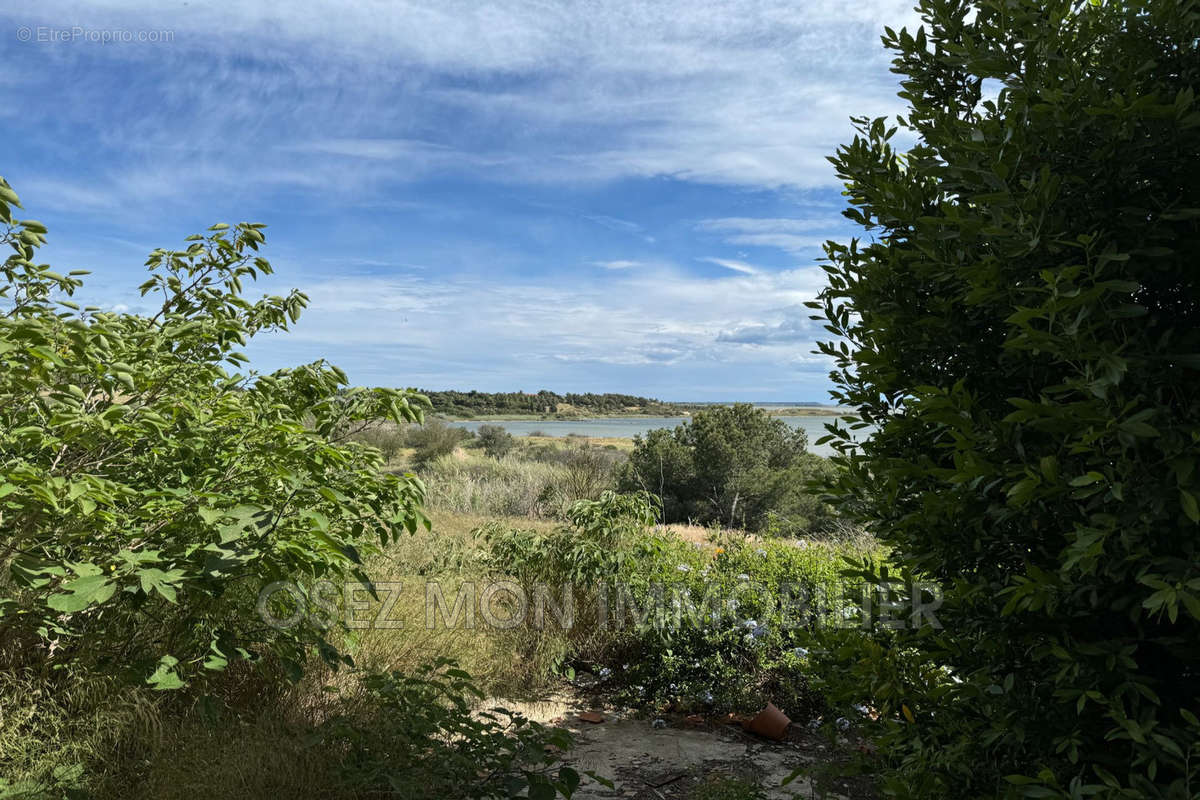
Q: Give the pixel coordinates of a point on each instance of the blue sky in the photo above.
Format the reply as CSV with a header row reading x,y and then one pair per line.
x,y
602,196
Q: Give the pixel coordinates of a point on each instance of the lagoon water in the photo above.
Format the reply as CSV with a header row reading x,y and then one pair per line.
x,y
628,427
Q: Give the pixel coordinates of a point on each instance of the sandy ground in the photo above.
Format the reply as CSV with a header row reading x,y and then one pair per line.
x,y
646,761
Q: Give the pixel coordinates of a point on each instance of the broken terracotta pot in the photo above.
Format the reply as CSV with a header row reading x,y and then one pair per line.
x,y
770,723
593,717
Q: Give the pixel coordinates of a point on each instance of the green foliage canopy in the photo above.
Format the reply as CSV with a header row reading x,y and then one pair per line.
x,y
1024,328
735,465
147,493
495,441
472,403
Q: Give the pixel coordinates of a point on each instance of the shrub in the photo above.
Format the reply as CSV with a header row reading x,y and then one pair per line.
x,y
587,472
495,441
388,439
1024,324
480,485
691,649
419,735
147,493
435,439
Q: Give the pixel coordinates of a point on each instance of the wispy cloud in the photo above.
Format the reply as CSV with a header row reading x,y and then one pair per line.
x,y
638,320
619,264
701,91
796,236
736,266
472,191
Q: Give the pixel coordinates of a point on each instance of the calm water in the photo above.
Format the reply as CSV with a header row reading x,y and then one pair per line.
x,y
627,427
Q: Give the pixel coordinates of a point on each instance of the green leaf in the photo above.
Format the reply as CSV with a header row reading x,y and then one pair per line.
x,y
569,778
81,593
165,677
1087,480
1187,501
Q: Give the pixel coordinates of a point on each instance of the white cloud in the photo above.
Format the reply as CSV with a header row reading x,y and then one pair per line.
x,y
317,94
736,266
794,236
618,264
656,316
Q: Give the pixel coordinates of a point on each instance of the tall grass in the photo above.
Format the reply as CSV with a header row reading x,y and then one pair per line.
x,y
537,482
450,556
474,484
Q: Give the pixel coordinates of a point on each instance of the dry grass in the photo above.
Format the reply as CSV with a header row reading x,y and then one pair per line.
x,y
622,444
538,481
445,559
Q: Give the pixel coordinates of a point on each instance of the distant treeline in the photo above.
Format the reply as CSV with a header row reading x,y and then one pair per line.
x,y
470,404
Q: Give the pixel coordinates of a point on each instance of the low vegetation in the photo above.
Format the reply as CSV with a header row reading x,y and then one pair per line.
x,y
726,625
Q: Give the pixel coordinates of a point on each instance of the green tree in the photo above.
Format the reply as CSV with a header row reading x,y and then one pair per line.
x,y
1023,325
147,493
495,441
435,439
733,465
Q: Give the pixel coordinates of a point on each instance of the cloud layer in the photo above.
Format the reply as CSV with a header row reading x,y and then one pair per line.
x,y
616,195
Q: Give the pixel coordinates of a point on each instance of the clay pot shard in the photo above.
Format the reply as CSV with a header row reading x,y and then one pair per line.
x,y
771,723
593,717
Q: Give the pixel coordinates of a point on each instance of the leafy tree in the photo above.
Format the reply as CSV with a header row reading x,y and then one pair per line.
x,y
435,439
147,493
733,465
495,441
1024,327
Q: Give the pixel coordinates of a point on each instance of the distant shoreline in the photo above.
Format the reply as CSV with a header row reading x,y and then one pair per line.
x,y
775,411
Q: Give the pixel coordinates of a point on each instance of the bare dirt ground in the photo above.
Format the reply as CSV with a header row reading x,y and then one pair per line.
x,y
674,758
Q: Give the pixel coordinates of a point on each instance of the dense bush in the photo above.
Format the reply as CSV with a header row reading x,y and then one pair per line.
x,y
725,627
758,611
434,439
734,465
495,441
1024,328
147,493
419,736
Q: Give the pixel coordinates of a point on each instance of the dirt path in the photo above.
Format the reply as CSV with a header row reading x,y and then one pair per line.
x,y
675,759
